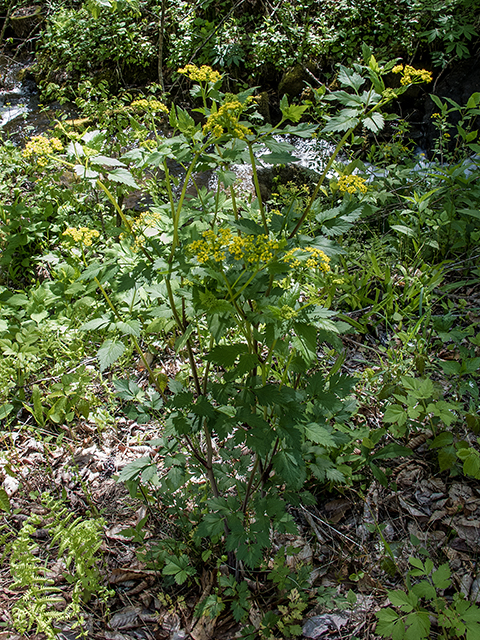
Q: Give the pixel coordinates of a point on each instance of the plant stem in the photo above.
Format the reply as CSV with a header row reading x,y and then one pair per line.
x,y
257,187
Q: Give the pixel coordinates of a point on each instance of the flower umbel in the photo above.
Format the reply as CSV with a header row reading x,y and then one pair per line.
x,y
227,119
42,147
410,75
200,74
82,235
352,184
253,250
310,258
154,106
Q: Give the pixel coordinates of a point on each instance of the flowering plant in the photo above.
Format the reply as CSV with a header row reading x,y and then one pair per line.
x,y
251,414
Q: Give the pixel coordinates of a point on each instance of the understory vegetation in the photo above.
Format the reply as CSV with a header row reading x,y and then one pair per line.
x,y
238,338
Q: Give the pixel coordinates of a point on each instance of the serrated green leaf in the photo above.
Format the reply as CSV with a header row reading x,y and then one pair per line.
x,y
403,600
375,122
96,323
129,328
319,434
395,413
225,355
418,625
109,352
123,176
441,577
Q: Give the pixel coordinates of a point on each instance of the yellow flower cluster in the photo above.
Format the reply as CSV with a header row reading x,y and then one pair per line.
x,y
351,184
42,147
148,105
226,118
313,258
149,144
82,235
200,74
250,249
145,226
412,75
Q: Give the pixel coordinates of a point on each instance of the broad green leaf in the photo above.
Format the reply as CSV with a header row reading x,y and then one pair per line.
x,y
341,123
278,158
109,352
395,413
418,625
473,100
319,434
5,410
443,439
96,323
405,601
291,112
441,577
227,178
407,231
471,465
123,176
290,467
129,328
350,78
134,469
392,450
106,161
379,475
436,100
424,589
225,355
86,174
389,624
374,122
416,562
4,501
446,458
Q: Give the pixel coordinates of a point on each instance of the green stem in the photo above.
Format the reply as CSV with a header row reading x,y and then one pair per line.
x,y
322,178
178,320
337,150
257,187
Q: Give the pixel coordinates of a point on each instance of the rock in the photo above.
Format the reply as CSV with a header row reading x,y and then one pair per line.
x,y
293,81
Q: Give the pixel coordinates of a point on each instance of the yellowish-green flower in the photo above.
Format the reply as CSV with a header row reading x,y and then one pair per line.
x,y
42,147
410,75
352,184
146,225
310,258
252,250
200,74
82,235
227,119
152,105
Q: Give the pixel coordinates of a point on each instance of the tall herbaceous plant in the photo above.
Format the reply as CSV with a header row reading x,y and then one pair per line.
x,y
238,286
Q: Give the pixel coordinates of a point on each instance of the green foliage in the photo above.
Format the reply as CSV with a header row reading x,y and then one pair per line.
x,y
251,417
423,601
112,44
76,541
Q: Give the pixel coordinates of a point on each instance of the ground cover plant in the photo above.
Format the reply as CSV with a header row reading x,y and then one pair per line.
x,y
219,320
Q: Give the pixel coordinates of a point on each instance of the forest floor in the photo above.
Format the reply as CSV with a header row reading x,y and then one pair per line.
x,y
355,540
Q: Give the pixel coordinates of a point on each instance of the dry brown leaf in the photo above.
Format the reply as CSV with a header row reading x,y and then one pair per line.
x,y
204,629
119,575
468,530
413,511
127,618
